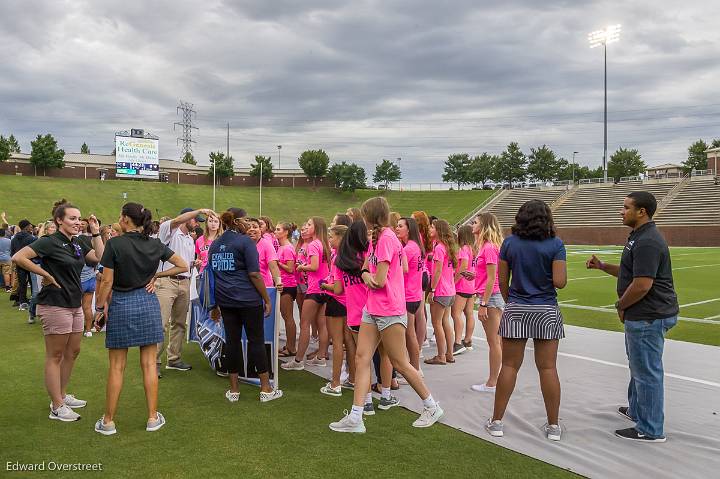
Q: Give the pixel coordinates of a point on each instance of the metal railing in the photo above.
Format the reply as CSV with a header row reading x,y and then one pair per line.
x,y
629,179
702,173
589,181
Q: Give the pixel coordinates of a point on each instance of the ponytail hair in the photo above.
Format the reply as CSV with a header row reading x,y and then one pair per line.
x,y
58,211
352,247
288,226
232,219
140,217
376,213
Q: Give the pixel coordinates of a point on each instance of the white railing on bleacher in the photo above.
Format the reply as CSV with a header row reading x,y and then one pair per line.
x,y
589,181
630,179
702,173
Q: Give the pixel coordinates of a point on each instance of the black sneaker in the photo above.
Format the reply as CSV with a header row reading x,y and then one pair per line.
x,y
623,411
179,366
634,435
458,349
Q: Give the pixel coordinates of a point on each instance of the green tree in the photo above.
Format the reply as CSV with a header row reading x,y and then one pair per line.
x,y
715,143
45,153
481,168
314,163
625,162
543,164
386,172
14,145
189,158
347,176
224,165
85,149
457,169
267,167
697,158
4,149
511,165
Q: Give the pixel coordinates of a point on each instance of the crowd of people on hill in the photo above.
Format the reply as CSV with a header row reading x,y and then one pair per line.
x,y
366,285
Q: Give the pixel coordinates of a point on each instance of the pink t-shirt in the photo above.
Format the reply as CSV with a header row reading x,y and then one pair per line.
x,y
488,254
465,285
446,285
266,254
315,248
336,275
413,278
271,237
300,258
202,246
356,295
390,299
287,253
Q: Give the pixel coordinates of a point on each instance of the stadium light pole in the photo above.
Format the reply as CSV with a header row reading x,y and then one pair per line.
x,y
611,34
279,148
573,167
261,168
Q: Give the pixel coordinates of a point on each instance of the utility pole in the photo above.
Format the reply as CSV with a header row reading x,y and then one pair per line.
x,y
261,174
573,166
187,116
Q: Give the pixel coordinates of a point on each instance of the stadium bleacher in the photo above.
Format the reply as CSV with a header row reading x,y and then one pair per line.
x,y
506,208
696,203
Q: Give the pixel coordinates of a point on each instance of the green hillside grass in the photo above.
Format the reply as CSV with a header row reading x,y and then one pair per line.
x,y
32,197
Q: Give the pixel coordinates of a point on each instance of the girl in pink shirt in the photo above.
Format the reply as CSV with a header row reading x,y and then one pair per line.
x,y
413,267
464,290
213,229
266,256
286,263
268,231
313,309
442,290
423,222
384,319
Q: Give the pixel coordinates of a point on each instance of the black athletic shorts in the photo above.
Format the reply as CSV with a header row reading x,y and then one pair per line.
x,y
354,329
412,306
335,308
465,295
290,290
426,282
320,298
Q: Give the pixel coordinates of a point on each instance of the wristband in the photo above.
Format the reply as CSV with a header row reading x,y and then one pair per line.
x,y
95,235
363,271
100,308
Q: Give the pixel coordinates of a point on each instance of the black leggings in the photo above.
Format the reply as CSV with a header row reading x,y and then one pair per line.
x,y
251,318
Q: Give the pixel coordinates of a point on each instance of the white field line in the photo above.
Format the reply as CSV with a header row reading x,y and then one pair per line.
x,y
605,276
713,317
674,269
567,301
624,366
608,306
698,266
605,310
700,302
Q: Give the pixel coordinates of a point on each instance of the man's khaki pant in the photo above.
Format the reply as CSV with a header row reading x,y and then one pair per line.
x,y
174,297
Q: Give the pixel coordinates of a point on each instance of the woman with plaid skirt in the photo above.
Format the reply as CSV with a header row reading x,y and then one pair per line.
x,y
133,317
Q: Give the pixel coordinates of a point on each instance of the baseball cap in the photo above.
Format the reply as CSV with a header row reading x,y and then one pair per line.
x,y
199,218
24,224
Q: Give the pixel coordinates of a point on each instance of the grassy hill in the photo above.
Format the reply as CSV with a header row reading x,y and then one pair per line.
x,y
32,197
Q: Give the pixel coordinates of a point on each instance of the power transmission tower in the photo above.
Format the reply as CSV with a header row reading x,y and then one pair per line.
x,y
187,127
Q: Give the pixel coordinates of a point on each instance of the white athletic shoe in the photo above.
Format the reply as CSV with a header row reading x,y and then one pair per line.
x,y
322,362
552,432
293,365
73,402
347,424
483,388
267,397
331,391
495,428
314,340
156,424
105,429
429,416
63,413
88,334
231,396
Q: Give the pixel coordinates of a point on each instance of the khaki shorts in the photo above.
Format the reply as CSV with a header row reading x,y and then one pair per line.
x,y
6,268
383,322
58,320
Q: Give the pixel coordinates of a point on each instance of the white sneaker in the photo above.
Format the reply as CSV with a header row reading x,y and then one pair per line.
x,y
552,432
314,340
156,424
93,329
88,334
429,416
73,402
293,365
105,429
483,388
231,396
347,424
322,362
495,428
63,413
331,391
267,397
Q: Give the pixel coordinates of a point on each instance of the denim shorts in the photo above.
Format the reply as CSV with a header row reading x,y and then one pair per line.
x,y
496,301
383,322
88,286
446,301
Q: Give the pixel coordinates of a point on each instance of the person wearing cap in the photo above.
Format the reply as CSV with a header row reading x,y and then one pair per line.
x,y
173,292
18,242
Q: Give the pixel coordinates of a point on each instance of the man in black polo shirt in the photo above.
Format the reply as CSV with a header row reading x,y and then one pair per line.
x,y
18,242
648,307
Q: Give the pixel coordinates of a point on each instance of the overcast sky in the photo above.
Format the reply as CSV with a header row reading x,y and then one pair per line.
x,y
364,80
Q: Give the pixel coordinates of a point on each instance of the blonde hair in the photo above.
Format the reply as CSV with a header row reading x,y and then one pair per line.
x,y
490,230
338,230
465,237
394,218
354,213
321,233
376,213
444,235
207,226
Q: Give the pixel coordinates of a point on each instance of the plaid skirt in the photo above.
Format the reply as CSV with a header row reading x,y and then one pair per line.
x,y
133,320
537,321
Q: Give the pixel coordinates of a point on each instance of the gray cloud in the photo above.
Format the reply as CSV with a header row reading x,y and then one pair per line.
x,y
364,80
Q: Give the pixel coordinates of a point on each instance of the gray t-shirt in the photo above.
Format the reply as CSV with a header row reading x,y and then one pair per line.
x,y
5,250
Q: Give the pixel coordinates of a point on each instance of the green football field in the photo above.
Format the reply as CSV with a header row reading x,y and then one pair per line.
x,y
590,294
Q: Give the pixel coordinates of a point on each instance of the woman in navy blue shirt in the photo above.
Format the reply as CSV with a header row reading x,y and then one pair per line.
x,y
241,299
532,265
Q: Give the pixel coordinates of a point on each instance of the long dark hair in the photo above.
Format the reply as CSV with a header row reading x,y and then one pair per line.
x,y
414,233
534,221
140,216
350,253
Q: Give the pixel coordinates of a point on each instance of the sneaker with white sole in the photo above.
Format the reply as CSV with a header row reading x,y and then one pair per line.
x,y
468,345
459,348
348,385
483,388
429,416
23,307
88,334
624,412
105,429
331,391
156,424
316,361
386,404
552,432
64,414
231,396
347,424
73,402
293,365
222,374
31,320
633,434
178,366
368,409
495,428
267,397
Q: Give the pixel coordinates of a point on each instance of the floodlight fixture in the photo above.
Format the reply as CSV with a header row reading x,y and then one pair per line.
x,y
611,34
